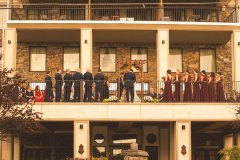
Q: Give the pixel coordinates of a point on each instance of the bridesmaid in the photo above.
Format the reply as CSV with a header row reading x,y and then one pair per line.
x,y
219,88
187,97
38,95
177,86
196,87
204,87
211,88
167,94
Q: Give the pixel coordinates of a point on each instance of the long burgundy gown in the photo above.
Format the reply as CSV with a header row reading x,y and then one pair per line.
x,y
204,89
177,88
187,97
212,90
220,91
196,90
167,94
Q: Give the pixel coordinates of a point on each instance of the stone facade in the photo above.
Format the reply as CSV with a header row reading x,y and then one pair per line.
x,y
190,58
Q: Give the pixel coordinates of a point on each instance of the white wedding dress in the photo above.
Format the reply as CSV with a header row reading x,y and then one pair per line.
x,y
136,98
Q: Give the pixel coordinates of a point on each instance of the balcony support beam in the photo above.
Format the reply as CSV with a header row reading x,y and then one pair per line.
x,y
235,55
183,140
86,49
81,139
162,52
10,48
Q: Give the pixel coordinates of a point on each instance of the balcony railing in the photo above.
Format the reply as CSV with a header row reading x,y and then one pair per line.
x,y
124,12
148,91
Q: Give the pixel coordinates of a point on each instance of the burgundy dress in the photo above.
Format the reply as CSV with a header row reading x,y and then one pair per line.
x,y
204,89
212,90
177,88
167,94
196,90
187,97
219,91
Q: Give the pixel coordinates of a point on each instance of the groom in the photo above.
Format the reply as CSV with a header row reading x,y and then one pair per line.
x,y
129,80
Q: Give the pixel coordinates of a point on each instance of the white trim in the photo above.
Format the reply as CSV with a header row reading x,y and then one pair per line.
x,y
120,22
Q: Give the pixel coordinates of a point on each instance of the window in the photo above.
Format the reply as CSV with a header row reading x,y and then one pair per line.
x,y
208,60
139,54
38,58
175,59
71,58
108,59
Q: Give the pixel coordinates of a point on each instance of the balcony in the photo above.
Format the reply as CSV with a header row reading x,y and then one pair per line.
x,y
125,12
144,92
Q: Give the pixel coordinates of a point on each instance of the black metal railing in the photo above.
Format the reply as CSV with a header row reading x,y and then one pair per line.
x,y
124,12
147,91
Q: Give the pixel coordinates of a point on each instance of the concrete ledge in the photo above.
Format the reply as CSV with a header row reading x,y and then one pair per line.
x,y
137,111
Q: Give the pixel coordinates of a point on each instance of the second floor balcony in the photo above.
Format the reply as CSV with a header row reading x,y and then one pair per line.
x,y
212,12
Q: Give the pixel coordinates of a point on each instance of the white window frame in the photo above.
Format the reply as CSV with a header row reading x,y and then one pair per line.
x,y
113,55
133,55
37,66
205,59
173,58
75,58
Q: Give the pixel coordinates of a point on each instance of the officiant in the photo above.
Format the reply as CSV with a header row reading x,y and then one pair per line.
x,y
129,80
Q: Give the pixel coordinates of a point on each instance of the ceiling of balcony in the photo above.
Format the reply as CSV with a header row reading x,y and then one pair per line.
x,y
125,36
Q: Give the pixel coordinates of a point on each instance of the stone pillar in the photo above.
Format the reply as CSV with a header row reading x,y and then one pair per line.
x,y
7,148
162,52
10,48
82,137
183,140
86,49
235,55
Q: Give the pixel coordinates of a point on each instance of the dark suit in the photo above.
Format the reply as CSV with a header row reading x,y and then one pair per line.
x,y
99,79
58,86
129,79
68,86
77,77
121,86
88,78
48,90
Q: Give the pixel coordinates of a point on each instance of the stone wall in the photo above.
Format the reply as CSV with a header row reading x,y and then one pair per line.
x,y
190,58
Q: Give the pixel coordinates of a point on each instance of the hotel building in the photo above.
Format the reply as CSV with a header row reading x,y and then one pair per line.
x,y
42,35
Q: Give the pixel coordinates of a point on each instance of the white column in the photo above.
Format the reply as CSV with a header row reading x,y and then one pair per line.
x,y
10,48
82,137
17,144
183,140
235,55
86,49
162,52
5,150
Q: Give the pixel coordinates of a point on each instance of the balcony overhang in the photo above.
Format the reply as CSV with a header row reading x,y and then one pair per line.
x,y
122,25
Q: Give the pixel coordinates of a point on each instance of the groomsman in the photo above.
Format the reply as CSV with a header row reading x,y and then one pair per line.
x,y
88,78
77,77
68,85
48,90
99,78
58,85
121,84
129,79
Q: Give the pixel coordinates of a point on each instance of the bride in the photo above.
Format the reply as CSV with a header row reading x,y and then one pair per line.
x,y
136,98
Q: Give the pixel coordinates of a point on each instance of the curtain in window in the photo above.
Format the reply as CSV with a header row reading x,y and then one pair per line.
x,y
37,59
175,59
71,58
207,60
108,59
139,54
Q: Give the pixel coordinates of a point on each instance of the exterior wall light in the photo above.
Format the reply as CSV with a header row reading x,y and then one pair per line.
x,y
9,41
239,43
163,41
85,41
81,126
183,127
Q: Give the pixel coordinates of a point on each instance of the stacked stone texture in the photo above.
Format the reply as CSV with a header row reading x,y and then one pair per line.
x,y
191,58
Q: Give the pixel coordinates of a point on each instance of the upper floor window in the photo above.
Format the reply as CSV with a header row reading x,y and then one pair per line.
x,y
140,54
108,59
208,60
175,59
71,58
38,57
